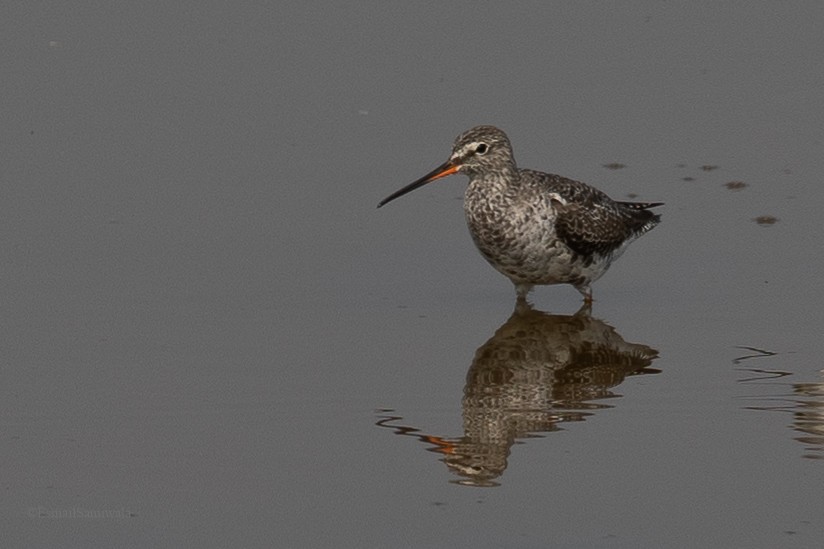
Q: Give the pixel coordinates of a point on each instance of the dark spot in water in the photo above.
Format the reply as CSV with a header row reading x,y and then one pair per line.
x,y
708,167
735,185
765,220
614,166
680,165
688,178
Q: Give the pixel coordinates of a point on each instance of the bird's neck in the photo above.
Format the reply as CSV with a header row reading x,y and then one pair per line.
x,y
489,192
499,180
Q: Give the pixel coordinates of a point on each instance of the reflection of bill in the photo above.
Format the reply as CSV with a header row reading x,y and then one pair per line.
x,y
537,371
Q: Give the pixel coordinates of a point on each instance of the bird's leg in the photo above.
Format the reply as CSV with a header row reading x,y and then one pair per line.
x,y
522,290
522,306
585,311
586,291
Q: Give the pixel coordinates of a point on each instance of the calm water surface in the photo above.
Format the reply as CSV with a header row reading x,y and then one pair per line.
x,y
214,339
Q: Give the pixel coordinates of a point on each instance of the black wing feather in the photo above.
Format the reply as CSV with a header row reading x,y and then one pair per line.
x,y
590,222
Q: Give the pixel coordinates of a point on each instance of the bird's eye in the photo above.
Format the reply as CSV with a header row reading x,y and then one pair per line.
x,y
481,148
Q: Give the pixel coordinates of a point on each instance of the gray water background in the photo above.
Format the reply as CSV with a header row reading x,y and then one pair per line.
x,y
206,321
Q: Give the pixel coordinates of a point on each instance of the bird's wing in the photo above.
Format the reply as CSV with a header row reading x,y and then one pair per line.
x,y
591,228
590,222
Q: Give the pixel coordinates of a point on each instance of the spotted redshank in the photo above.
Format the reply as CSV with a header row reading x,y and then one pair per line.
x,y
535,227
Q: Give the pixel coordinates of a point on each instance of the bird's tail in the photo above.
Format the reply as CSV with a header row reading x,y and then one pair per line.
x,y
641,205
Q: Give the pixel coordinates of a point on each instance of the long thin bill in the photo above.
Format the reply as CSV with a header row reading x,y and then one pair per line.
x,y
447,168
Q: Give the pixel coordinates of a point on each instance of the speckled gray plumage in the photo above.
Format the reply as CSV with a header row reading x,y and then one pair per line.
x,y
534,227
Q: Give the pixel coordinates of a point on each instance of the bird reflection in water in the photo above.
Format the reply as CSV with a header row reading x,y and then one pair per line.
x,y
808,417
539,370
805,401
